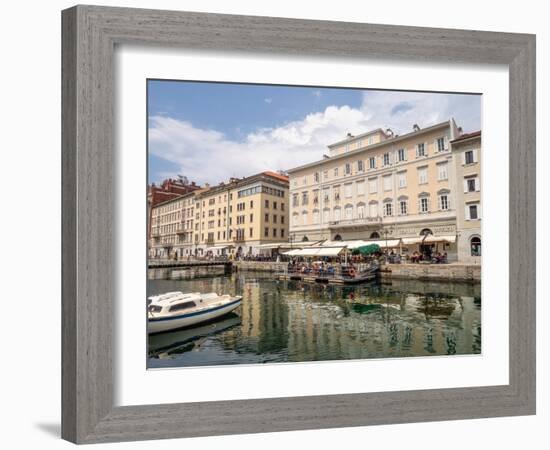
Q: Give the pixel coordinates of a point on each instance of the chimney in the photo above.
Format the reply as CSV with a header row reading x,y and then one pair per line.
x,y
350,135
416,127
389,132
460,131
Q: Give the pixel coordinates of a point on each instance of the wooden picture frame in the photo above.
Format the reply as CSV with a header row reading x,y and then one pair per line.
x,y
90,34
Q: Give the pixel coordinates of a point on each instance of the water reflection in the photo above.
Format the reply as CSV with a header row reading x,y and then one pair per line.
x,y
292,321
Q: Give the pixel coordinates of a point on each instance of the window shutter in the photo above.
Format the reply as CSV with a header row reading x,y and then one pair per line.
x,y
439,202
446,143
417,150
425,149
474,152
463,156
477,183
466,213
436,148
465,185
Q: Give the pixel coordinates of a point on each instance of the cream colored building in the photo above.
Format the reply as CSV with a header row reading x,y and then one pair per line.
x,y
243,216
467,153
172,225
381,186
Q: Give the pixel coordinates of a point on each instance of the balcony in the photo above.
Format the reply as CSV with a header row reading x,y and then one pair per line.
x,y
355,222
210,241
239,239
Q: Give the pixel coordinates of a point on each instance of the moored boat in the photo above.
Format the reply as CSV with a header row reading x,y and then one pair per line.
x,y
175,310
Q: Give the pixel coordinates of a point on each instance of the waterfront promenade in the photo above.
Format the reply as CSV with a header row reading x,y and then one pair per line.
x,y
458,272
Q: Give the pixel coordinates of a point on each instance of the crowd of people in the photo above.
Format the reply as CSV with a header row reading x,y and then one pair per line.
x,y
391,257
434,258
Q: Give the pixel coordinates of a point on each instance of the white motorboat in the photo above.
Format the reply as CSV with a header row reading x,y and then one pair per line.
x,y
177,310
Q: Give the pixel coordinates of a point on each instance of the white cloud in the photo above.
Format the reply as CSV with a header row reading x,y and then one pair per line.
x,y
209,156
268,100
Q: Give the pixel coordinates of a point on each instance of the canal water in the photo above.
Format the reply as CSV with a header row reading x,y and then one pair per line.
x,y
294,322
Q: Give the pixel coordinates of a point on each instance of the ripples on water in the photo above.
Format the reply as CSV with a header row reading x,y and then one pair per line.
x,y
292,321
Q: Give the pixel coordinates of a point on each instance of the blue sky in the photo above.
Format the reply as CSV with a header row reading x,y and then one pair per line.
x,y
212,131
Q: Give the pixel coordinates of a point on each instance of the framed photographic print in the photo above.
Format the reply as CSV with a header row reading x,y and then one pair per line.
x,y
268,222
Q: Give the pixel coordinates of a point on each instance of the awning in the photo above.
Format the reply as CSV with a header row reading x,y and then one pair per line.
x,y
274,245
413,240
349,244
449,239
385,243
430,239
212,249
329,251
316,251
292,252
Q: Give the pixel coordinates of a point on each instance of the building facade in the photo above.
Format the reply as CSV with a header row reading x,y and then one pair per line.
x,y
168,190
241,217
467,154
172,227
381,186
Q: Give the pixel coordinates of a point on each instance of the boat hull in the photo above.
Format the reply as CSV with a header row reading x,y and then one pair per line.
x,y
187,320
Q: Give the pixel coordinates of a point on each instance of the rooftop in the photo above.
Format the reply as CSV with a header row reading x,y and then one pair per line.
x,y
467,136
388,141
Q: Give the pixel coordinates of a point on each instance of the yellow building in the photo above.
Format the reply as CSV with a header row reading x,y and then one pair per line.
x,y
242,216
466,151
379,185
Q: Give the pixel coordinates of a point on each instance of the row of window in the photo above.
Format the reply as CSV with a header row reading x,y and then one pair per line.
x,y
261,189
372,183
240,234
267,204
360,211
172,228
385,160
173,206
157,219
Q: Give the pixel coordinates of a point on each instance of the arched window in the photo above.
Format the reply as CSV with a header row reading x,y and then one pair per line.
x,y
337,237
388,207
336,214
426,232
315,216
305,239
349,212
326,215
360,210
373,208
374,235
475,246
